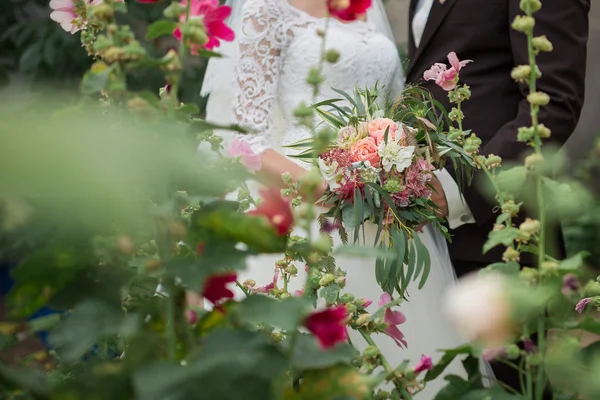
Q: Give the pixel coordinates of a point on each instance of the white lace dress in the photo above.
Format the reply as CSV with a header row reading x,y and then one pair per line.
x,y
278,44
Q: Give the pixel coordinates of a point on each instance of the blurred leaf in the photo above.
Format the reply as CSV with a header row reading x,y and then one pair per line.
x,y
367,252
511,180
341,382
31,57
309,355
495,393
284,314
160,28
96,81
447,358
31,380
330,293
509,268
573,263
504,237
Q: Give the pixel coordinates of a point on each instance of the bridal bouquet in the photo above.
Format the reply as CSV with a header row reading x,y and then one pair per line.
x,y
379,170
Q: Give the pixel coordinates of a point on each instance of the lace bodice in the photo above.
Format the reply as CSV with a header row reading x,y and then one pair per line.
x,y
278,44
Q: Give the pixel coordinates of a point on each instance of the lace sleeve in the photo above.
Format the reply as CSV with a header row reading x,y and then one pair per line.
x,y
262,37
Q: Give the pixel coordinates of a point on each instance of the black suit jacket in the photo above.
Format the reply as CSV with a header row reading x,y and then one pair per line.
x,y
480,30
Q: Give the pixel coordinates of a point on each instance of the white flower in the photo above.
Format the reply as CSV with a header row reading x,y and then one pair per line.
x,y
480,308
394,155
330,173
348,135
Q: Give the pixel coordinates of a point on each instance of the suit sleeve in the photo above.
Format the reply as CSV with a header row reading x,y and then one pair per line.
x,y
565,24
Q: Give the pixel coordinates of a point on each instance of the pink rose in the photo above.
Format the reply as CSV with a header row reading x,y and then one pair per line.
x,y
239,148
365,150
377,129
444,77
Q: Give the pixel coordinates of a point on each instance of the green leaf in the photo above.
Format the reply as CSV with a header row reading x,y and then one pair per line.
x,y
309,355
33,381
504,237
509,269
573,263
44,323
366,252
447,358
160,28
286,314
330,293
424,261
31,58
94,82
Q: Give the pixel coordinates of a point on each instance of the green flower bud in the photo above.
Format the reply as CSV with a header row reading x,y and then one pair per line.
x,y
592,289
493,161
292,270
341,280
541,43
538,98
347,298
174,10
525,134
392,186
535,359
303,111
332,56
103,12
528,274
521,73
326,280
454,134
534,5
455,114
382,395
277,336
511,254
371,352
249,283
362,319
510,208
314,77
534,161
284,296
544,132
512,352
463,92
523,237
531,226
351,308
549,267
523,23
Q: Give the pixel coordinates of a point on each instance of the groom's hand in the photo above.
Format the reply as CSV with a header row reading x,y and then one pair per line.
x,y
439,198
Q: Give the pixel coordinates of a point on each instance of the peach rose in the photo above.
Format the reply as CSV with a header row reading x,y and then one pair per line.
x,y
377,129
365,150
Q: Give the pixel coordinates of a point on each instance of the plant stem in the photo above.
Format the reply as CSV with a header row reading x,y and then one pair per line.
x,y
242,288
386,365
182,53
170,315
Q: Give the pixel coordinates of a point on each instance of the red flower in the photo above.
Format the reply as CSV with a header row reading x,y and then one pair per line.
x,y
424,365
213,17
348,10
216,290
276,209
328,325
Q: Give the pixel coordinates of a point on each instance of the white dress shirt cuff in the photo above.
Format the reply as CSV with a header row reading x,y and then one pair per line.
x,y
459,212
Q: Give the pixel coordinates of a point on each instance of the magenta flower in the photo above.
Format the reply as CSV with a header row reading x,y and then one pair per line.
x,y
241,149
213,17
328,325
267,288
64,13
570,284
348,10
364,302
444,77
582,304
392,319
216,290
191,317
276,209
424,365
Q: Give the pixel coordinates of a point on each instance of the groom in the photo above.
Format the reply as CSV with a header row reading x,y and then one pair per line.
x,y
480,30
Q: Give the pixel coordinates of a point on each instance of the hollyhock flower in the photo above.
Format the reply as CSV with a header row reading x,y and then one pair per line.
x,y
364,302
299,292
393,154
480,307
216,290
365,150
570,284
271,285
392,319
529,346
348,10
424,365
582,304
213,17
276,209
241,149
444,77
379,126
64,13
328,325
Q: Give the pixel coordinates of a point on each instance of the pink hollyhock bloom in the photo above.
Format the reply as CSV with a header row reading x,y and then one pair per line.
x,y
213,17
444,77
276,209
392,319
424,365
348,10
216,290
582,304
267,288
365,302
299,292
64,13
328,325
239,148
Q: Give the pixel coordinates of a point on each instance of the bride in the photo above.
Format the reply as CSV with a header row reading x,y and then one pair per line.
x,y
264,76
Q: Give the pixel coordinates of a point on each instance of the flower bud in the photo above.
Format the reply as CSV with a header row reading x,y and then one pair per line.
x,y
362,319
521,73
528,274
277,336
454,134
326,280
541,43
455,114
538,98
592,289
341,280
324,244
171,61
511,254
102,11
534,161
191,316
125,245
284,296
534,5
510,208
371,352
549,267
249,283
512,352
570,284
535,359
523,237
113,54
292,270
544,132
525,134
531,226
137,104
332,56
523,23
493,161
303,111
314,77
351,308
347,298
174,10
